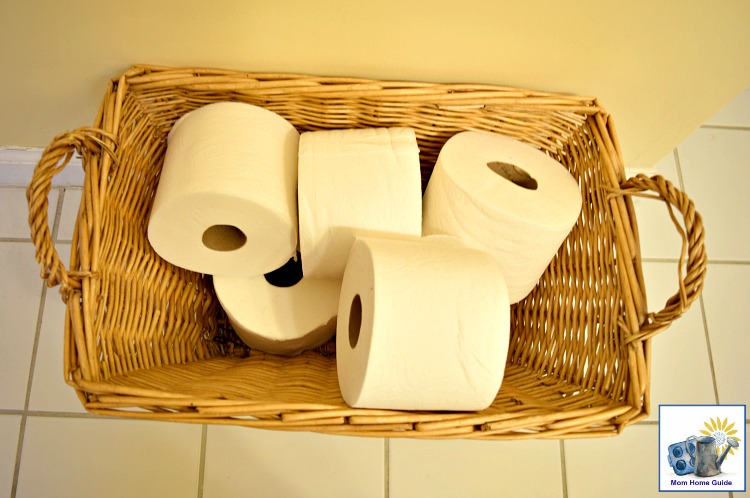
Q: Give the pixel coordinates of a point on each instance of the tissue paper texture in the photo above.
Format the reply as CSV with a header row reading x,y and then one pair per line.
x,y
280,320
355,182
226,200
423,324
522,224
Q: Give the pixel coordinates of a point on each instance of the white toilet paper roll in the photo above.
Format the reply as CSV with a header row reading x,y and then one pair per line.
x,y
423,325
280,320
226,201
352,183
506,197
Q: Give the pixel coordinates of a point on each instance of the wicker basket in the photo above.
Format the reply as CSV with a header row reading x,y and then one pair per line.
x,y
144,339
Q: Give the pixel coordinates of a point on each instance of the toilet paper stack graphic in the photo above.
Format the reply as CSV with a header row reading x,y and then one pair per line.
x,y
505,197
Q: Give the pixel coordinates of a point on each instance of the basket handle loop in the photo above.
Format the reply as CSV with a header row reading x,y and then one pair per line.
x,y
55,157
692,264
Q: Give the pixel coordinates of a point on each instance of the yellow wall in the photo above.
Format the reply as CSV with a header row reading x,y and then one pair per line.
x,y
660,67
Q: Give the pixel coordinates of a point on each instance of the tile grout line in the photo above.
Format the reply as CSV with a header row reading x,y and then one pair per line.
x,y
11,412
564,470
15,239
678,167
19,447
24,413
53,414
710,352
700,298
32,365
82,415
678,164
386,468
660,260
202,461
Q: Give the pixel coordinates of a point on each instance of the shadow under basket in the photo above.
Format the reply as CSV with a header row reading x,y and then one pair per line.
x,y
145,339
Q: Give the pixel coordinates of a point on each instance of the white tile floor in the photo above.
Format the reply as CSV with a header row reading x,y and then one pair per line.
x,y
50,447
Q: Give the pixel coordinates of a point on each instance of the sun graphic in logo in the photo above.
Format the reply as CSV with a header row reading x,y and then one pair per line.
x,y
721,432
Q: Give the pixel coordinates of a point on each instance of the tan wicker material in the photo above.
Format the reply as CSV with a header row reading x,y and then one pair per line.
x,y
144,339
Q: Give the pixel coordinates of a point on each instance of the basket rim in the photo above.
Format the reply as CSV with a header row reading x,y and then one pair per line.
x,y
99,145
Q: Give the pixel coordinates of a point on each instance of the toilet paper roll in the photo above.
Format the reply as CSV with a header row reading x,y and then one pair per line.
x,y
352,183
423,325
280,320
506,197
226,200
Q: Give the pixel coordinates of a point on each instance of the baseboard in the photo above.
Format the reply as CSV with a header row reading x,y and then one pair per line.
x,y
17,166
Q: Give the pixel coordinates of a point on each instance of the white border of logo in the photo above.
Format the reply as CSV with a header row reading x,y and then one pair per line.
x,y
678,422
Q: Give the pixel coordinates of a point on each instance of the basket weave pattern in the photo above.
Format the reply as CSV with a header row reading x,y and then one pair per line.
x,y
145,339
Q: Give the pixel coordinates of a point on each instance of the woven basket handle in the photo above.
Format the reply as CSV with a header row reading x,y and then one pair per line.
x,y
692,265
55,157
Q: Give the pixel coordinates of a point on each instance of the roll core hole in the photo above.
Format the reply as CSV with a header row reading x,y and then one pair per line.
x,y
513,174
355,321
286,276
224,238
